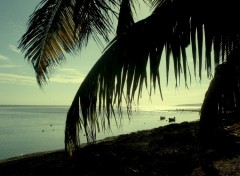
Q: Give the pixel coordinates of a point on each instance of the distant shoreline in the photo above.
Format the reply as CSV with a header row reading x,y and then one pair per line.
x,y
191,104
191,110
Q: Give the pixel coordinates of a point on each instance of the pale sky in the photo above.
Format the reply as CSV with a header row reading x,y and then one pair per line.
x,y
18,85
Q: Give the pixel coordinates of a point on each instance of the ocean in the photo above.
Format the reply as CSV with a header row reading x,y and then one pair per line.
x,y
30,129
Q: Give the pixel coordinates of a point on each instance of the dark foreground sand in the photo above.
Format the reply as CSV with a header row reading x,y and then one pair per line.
x,y
171,150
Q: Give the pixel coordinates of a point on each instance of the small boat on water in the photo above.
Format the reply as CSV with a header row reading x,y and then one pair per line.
x,y
173,119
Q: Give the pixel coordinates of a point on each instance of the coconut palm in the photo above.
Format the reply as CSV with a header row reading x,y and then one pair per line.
x,y
59,26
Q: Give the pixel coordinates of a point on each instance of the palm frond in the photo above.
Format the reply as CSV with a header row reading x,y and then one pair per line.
x,y
50,31
59,26
210,30
105,85
95,18
121,70
125,19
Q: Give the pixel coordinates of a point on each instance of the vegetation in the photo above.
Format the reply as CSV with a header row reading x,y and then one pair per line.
x,y
59,26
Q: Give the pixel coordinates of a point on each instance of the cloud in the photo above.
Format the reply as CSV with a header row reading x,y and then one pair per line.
x,y
16,79
67,79
68,75
71,71
4,58
9,66
14,49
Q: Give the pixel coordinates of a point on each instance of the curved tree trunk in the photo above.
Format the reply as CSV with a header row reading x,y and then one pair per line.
x,y
209,117
220,108
221,104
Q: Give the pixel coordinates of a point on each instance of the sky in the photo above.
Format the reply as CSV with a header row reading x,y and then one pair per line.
x,y
18,85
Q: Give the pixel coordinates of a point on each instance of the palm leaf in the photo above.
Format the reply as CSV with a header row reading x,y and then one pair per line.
x,y
121,70
59,26
50,30
125,19
124,64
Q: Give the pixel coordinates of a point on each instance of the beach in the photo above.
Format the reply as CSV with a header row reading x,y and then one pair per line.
x,y
174,149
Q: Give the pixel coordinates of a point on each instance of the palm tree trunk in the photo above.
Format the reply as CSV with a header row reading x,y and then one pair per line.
x,y
209,117
221,104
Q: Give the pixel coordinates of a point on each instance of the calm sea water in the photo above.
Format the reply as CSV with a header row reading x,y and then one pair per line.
x,y
30,129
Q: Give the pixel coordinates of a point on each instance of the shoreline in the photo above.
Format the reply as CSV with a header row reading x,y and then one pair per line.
x,y
46,132
37,154
106,139
147,152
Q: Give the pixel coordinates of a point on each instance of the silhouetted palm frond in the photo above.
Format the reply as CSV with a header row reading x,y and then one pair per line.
x,y
59,26
121,71
104,87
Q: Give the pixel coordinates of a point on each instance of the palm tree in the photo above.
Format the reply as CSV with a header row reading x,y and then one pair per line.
x,y
66,25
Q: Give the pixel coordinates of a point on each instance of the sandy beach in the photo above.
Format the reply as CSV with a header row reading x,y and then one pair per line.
x,y
170,150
